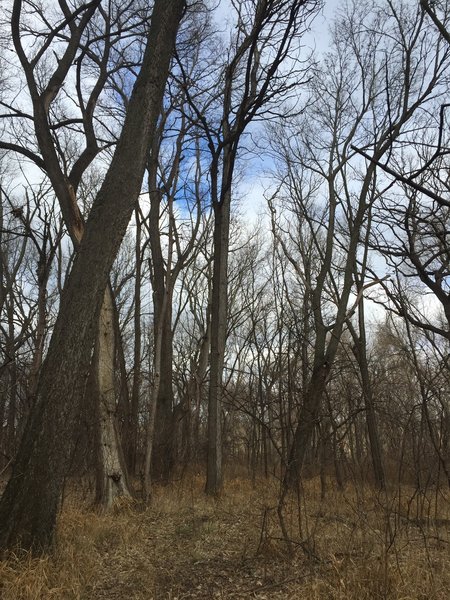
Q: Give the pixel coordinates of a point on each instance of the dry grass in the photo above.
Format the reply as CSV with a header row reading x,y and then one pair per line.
x,y
353,545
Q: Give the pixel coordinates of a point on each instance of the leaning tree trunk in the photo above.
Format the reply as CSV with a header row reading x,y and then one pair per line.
x,y
29,505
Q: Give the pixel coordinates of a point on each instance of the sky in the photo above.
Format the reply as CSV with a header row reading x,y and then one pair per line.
x,y
256,180
255,185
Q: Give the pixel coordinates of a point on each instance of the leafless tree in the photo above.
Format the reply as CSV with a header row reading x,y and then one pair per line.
x,y
257,75
366,98
29,504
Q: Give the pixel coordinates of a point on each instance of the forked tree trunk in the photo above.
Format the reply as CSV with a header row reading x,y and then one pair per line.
x,y
65,190
29,505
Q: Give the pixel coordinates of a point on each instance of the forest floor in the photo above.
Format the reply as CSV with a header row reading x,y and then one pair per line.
x,y
354,544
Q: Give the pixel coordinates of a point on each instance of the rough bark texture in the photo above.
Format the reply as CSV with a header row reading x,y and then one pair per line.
x,y
154,395
65,187
111,468
28,507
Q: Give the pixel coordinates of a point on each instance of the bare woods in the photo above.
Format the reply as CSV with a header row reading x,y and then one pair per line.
x,y
224,251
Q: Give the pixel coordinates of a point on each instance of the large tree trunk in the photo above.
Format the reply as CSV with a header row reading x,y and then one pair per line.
x,y
111,471
28,507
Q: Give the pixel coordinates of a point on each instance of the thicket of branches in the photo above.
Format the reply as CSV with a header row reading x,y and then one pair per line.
x,y
313,340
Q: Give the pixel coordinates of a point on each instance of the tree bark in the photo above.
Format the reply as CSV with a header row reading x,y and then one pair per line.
x,y
12,380
154,396
111,471
163,453
162,393
29,505
218,339
133,417
65,187
366,384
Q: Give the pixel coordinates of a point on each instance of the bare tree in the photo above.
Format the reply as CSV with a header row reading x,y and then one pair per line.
x,y
361,110
89,42
29,504
258,73
173,235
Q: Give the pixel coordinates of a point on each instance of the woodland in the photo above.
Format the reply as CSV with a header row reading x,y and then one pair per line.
x,y
224,299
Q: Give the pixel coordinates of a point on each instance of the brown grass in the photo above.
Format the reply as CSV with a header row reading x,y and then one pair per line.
x,y
354,544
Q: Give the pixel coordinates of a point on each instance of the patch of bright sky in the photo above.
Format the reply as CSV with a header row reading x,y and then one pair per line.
x,y
257,182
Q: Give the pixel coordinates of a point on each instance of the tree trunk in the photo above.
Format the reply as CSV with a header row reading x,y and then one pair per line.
x,y
123,410
163,451
29,505
111,472
43,273
162,284
197,384
307,421
366,384
153,407
218,339
133,417
12,381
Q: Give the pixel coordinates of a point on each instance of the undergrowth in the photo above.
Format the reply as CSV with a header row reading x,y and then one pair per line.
x,y
354,544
